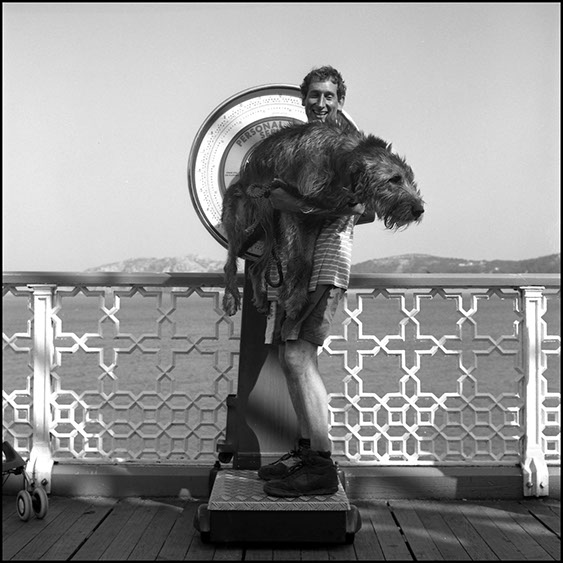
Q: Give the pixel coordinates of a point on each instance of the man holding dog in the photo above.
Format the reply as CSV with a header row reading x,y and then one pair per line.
x,y
309,469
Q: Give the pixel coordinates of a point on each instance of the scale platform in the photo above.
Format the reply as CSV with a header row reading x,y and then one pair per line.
x,y
239,511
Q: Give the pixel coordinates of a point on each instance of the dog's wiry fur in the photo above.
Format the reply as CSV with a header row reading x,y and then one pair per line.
x,y
326,168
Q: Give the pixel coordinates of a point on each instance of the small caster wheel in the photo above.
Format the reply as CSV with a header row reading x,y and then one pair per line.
x,y
24,505
40,502
225,457
205,537
349,539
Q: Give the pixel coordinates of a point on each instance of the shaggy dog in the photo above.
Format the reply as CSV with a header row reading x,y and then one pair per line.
x,y
325,167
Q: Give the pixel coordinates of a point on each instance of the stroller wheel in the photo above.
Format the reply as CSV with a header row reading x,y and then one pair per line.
x,y
24,505
40,502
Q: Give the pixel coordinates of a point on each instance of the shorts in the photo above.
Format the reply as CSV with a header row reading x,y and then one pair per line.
x,y
312,325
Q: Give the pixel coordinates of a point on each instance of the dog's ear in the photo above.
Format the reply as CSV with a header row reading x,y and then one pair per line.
x,y
373,142
353,173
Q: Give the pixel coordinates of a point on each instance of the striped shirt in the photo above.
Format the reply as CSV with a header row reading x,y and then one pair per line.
x,y
333,253
332,259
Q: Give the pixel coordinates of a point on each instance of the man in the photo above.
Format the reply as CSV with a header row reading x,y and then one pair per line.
x,y
309,470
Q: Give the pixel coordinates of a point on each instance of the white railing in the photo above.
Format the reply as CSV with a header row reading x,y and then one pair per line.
x,y
421,369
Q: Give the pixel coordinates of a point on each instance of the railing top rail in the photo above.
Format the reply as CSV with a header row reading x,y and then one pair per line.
x,y
357,281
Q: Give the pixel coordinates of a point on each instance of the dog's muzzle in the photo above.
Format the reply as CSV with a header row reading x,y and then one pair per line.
x,y
417,210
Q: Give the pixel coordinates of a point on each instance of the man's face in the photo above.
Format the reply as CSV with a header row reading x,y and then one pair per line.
x,y
322,102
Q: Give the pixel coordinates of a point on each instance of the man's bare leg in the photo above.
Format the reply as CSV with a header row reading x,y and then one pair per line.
x,y
316,474
307,391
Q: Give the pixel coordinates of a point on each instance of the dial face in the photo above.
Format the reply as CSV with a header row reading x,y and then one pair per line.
x,y
226,140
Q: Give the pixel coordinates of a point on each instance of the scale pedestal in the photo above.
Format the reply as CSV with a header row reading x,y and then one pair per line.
x,y
240,511
261,422
262,426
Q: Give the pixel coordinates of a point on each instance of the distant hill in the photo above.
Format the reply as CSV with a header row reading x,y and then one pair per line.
x,y
428,264
405,263
189,263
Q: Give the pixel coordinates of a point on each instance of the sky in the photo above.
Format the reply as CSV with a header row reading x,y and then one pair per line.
x,y
102,103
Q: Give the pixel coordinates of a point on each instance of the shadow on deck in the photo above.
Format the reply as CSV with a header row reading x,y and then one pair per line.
x,y
151,529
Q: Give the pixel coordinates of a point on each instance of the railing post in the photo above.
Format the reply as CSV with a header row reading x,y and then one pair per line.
x,y
534,466
40,462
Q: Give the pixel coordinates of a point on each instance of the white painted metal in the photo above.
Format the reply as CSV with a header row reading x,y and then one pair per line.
x,y
534,466
40,462
172,420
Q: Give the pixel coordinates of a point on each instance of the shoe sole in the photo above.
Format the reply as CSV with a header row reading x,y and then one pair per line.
x,y
273,477
315,492
276,478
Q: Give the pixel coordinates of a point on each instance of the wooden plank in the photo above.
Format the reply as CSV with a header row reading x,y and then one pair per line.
x,y
389,536
342,552
124,542
310,553
93,513
258,553
447,543
477,548
485,530
10,520
550,522
539,533
199,551
494,536
365,542
49,535
21,533
105,533
553,504
416,534
556,510
228,553
8,508
544,514
150,543
176,544
286,553
524,543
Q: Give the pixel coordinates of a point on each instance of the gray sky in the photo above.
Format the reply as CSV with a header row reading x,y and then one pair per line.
x,y
101,104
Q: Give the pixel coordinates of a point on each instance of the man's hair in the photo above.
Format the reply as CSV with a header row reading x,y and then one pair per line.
x,y
322,74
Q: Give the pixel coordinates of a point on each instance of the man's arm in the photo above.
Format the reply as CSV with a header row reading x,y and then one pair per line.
x,y
284,201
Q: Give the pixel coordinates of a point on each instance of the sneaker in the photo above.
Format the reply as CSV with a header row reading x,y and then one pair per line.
x,y
279,468
313,475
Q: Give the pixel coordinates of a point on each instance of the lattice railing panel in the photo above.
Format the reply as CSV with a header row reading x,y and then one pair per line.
x,y
17,366
141,373
551,353
427,376
415,375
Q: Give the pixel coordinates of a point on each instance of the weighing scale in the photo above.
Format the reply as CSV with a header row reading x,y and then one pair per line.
x,y
261,422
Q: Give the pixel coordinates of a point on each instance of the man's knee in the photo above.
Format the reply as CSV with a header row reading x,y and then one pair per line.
x,y
298,355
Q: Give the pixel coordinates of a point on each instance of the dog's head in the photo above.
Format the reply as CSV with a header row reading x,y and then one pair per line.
x,y
384,182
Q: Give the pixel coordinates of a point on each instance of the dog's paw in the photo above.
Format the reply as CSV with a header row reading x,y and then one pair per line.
x,y
231,304
295,302
294,311
260,301
263,308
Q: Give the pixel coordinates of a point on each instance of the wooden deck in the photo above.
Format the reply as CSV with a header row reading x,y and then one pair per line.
x,y
162,529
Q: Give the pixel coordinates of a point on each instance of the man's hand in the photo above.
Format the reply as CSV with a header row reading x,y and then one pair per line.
x,y
366,216
358,209
283,200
